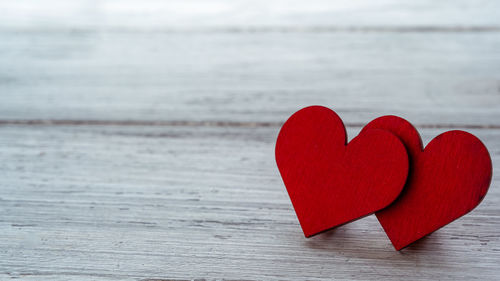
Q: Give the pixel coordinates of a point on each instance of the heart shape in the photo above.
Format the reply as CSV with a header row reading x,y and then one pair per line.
x,y
331,182
446,180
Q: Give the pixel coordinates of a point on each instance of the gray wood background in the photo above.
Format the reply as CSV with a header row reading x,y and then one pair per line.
x,y
137,137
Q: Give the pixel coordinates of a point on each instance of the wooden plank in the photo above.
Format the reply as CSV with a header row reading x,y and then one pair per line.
x,y
428,78
145,14
125,202
106,202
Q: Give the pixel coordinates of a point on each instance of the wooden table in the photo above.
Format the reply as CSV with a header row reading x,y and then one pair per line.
x,y
137,137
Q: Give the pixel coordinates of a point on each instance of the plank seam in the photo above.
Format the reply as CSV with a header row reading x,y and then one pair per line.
x,y
272,29
180,123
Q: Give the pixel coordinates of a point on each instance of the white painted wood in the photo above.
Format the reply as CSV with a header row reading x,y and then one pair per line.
x,y
137,137
448,78
249,61
201,14
105,202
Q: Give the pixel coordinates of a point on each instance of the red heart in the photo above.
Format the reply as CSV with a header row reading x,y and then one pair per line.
x,y
331,183
446,180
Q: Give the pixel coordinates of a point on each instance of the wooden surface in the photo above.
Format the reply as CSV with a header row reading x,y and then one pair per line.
x,y
137,137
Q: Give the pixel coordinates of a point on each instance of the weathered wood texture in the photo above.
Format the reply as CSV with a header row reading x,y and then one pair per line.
x,y
256,77
187,187
95,66
199,202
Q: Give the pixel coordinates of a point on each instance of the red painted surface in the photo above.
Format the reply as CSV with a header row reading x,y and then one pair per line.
x,y
331,182
446,180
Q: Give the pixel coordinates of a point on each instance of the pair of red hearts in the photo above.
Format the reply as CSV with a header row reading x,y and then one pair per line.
x,y
385,169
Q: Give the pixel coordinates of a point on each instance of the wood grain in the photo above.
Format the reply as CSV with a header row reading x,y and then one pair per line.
x,y
137,137
244,77
104,63
199,202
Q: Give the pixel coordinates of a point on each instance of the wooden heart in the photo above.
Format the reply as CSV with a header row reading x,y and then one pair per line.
x,y
331,182
446,181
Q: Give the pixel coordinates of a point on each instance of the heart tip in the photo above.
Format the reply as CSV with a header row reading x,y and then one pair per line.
x,y
399,247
